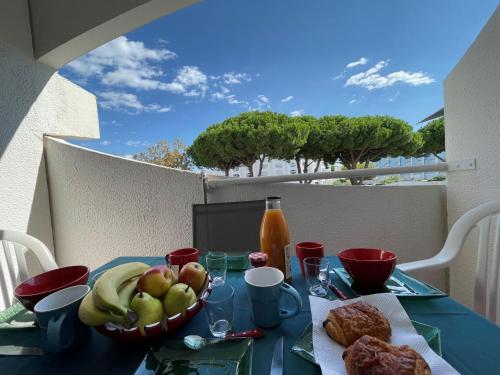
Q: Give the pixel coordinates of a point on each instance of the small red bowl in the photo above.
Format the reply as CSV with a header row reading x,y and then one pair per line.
x,y
369,268
30,291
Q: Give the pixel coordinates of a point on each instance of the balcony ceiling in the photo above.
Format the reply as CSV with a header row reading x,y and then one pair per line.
x,y
66,29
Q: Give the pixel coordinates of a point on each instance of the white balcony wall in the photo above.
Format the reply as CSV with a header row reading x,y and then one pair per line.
x,y
34,100
472,120
105,206
409,220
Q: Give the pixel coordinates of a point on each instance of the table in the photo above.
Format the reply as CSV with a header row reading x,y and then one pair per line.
x,y
470,343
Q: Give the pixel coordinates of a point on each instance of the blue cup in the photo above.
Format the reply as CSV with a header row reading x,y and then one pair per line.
x,y
57,315
265,286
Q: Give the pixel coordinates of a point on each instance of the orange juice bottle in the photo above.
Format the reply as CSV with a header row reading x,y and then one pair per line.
x,y
275,239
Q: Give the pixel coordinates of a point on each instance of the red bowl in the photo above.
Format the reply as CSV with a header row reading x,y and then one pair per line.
x,y
369,268
30,291
158,330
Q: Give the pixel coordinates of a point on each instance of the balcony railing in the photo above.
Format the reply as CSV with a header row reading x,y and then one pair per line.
x,y
355,173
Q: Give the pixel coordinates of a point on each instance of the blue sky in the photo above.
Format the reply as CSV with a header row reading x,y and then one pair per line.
x,y
174,77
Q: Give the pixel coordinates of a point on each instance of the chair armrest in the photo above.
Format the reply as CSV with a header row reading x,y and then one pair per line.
x,y
435,262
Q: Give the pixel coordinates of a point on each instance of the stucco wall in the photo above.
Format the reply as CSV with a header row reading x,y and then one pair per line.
x,y
410,220
34,100
105,206
472,120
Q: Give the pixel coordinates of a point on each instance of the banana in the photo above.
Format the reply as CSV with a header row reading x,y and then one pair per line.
x,y
105,290
127,291
90,315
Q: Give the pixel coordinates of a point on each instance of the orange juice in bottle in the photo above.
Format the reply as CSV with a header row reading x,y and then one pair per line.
x,y
275,239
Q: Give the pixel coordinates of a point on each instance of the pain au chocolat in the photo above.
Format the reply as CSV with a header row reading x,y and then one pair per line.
x,y
371,356
348,323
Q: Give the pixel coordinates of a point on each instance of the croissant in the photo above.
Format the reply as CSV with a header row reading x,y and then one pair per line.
x,y
348,323
371,356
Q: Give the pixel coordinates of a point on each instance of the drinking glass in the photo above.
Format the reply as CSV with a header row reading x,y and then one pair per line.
x,y
317,275
219,310
217,267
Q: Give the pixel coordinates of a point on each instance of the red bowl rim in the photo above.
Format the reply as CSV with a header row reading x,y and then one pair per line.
x,y
17,294
341,254
309,245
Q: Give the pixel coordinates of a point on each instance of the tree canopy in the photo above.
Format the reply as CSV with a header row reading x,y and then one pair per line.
x,y
254,136
433,138
210,150
370,138
161,154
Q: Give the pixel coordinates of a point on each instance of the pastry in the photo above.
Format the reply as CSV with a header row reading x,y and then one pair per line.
x,y
348,323
371,356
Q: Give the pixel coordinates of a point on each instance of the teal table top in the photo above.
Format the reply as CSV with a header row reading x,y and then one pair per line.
x,y
470,343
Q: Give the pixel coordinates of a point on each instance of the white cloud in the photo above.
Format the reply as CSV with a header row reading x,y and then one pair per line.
x,y
190,81
135,143
297,112
224,94
232,78
122,62
352,101
130,64
261,102
105,143
128,156
371,79
287,99
231,99
361,61
127,102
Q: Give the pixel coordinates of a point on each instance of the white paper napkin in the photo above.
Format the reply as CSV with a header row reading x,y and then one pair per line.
x,y
329,354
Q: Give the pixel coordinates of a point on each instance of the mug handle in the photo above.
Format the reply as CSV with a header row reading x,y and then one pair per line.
x,y
285,314
54,335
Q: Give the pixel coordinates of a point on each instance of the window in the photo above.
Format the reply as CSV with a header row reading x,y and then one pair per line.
x,y
293,172
248,174
236,175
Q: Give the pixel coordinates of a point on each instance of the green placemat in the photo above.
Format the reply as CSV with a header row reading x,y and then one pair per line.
x,y
304,345
233,357
400,284
235,262
16,316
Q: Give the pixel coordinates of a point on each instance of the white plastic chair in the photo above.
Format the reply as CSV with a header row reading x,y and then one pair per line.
x,y
486,280
13,248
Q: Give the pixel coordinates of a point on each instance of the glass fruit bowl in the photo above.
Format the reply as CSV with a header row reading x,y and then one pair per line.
x,y
157,330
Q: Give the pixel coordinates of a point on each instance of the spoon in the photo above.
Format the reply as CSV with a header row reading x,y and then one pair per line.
x,y
196,342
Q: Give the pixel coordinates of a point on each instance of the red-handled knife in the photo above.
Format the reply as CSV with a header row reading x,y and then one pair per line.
x,y
255,333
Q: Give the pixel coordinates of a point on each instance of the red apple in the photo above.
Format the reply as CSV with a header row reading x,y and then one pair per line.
x,y
156,281
194,275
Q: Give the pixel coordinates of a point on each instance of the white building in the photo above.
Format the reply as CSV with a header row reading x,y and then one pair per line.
x,y
275,167
410,162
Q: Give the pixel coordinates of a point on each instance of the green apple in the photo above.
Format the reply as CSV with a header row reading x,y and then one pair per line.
x,y
148,308
178,298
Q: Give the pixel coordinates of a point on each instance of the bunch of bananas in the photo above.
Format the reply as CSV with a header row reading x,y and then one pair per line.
x,y
109,301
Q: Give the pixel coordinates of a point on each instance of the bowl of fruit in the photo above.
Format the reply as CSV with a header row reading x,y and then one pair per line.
x,y
137,302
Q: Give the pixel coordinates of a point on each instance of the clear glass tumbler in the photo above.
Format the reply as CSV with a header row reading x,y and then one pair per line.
x,y
217,267
317,272
219,310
